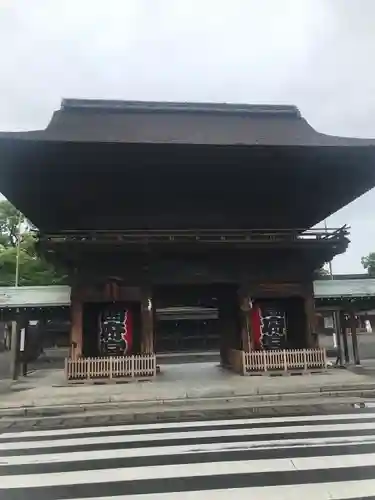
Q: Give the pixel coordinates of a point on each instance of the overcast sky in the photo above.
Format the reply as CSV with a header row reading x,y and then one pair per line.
x,y
317,54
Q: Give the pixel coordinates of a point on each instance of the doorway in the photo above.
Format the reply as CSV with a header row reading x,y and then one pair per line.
x,y
192,319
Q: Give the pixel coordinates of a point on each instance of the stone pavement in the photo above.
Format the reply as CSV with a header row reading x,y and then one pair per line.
x,y
189,384
5,357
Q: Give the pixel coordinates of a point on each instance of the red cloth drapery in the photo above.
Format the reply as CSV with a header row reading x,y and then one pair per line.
x,y
127,335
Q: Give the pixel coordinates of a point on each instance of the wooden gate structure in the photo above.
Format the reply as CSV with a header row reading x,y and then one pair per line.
x,y
173,194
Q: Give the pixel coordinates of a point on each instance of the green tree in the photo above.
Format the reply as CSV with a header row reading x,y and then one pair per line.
x,y
33,269
10,220
368,262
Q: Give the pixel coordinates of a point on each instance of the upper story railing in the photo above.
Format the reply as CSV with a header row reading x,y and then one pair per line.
x,y
202,236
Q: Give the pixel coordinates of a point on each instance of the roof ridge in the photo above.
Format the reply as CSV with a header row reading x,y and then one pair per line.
x,y
187,107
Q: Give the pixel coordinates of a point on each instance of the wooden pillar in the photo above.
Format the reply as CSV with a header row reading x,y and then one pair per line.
x,y
245,307
3,345
43,330
344,337
23,347
76,329
337,326
147,322
225,326
353,327
222,329
15,346
311,337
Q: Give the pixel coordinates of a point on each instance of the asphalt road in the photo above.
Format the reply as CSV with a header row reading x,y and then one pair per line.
x,y
320,455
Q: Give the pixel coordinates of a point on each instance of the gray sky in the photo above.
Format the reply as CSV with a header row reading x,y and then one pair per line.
x,y
317,54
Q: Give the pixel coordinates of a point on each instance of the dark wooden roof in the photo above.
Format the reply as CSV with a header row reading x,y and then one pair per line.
x,y
118,165
183,123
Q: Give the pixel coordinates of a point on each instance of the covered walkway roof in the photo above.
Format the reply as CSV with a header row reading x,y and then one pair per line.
x,y
34,296
346,288
59,296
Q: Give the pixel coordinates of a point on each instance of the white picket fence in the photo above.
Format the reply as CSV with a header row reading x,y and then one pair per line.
x,y
276,361
111,367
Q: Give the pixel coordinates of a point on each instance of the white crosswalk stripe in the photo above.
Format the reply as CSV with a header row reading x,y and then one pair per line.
x,y
320,457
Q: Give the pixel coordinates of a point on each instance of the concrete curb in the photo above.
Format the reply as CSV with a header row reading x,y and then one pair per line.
x,y
186,414
37,410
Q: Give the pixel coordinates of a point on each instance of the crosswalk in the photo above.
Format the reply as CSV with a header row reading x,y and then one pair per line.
x,y
311,457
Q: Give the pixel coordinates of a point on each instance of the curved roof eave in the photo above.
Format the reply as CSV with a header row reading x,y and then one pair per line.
x,y
320,141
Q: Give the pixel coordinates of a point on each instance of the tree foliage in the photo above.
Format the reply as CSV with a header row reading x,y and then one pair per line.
x,y
16,237
368,263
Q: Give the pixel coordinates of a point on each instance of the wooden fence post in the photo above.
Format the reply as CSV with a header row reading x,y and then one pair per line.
x,y
243,361
325,361
304,360
285,361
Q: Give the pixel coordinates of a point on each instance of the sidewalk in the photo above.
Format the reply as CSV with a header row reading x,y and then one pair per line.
x,y
46,391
